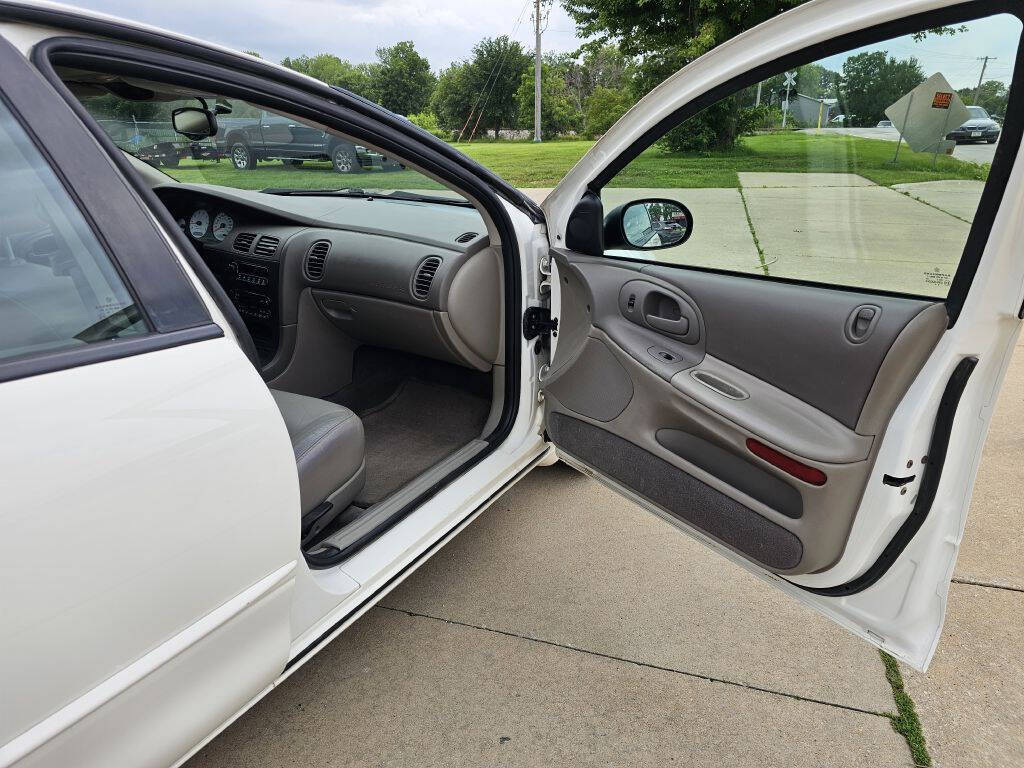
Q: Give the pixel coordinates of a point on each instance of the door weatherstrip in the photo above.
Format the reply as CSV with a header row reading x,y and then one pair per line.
x,y
926,493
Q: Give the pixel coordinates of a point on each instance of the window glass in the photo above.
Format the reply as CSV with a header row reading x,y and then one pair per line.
x,y
862,169
253,148
58,288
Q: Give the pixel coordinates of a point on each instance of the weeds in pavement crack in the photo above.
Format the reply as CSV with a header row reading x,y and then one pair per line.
x,y
905,722
750,225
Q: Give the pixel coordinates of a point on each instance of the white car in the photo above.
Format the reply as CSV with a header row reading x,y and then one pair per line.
x,y
239,409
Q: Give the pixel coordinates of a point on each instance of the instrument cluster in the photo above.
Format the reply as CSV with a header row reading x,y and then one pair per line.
x,y
203,225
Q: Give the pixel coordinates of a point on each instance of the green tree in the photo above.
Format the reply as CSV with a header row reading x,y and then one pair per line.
x,y
333,71
667,35
484,85
601,66
693,27
558,111
401,79
993,96
873,80
605,106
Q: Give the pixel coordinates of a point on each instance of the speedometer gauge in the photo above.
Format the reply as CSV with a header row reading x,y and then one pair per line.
x,y
199,223
222,226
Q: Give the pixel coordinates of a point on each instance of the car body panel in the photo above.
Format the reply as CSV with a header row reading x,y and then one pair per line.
x,y
110,589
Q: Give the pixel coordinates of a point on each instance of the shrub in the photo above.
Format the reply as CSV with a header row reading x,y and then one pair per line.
x,y
428,121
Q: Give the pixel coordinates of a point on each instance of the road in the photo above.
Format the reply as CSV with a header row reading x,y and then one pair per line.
x,y
972,153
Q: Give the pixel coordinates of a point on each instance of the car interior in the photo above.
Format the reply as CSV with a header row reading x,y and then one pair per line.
x,y
374,311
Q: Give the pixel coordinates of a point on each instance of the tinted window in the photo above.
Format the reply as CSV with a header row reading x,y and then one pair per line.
x,y
58,288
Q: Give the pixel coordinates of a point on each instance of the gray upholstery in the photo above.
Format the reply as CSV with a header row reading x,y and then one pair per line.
x,y
329,449
679,493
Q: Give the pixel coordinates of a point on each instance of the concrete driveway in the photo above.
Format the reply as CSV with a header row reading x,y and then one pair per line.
x,y
973,153
569,627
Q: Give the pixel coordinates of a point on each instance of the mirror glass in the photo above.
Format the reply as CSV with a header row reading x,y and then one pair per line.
x,y
654,223
193,122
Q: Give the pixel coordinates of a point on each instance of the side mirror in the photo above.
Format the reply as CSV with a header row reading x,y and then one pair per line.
x,y
194,123
647,225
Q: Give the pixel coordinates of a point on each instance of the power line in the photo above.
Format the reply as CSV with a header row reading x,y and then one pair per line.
x,y
515,29
501,66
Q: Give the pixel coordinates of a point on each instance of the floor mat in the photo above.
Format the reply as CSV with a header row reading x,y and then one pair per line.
x,y
416,428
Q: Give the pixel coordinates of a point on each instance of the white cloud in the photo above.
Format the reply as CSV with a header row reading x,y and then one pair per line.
x,y
443,30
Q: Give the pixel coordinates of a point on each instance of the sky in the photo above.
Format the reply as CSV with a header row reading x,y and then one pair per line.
x,y
956,56
443,30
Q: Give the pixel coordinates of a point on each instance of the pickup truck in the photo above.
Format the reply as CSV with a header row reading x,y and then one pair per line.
x,y
248,140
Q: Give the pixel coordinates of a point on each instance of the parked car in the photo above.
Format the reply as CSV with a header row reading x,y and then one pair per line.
x,y
247,141
233,419
981,127
884,124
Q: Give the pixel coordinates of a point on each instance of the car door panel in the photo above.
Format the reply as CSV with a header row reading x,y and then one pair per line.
x,y
678,431
868,401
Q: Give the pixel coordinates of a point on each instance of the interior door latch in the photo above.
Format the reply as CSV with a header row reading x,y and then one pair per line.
x,y
537,321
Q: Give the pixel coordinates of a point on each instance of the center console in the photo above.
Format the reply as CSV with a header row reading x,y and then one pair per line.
x,y
253,285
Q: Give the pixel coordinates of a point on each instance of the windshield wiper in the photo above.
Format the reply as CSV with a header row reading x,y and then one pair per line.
x,y
397,194
346,192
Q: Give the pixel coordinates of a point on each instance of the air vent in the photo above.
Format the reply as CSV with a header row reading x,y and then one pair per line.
x,y
425,276
266,246
465,237
316,258
243,241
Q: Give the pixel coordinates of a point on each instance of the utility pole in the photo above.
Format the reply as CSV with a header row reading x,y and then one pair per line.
x,y
536,72
984,63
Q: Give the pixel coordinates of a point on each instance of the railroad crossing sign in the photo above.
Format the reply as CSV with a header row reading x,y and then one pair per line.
x,y
790,82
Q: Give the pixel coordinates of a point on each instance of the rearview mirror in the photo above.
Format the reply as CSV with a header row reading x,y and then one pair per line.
x,y
647,225
194,123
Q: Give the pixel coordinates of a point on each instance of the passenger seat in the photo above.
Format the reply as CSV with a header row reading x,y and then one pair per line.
x,y
329,453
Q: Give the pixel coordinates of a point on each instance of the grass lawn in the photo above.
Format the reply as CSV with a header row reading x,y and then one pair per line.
x,y
526,164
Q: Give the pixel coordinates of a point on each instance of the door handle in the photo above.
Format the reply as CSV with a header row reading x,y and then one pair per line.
x,y
679,326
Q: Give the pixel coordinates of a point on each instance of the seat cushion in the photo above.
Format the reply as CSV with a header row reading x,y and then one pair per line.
x,y
329,449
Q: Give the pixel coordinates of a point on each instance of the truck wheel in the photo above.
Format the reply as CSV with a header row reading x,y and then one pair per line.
x,y
242,156
171,161
292,162
344,159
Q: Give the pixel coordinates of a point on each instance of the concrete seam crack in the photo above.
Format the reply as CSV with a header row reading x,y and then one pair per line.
x,y
612,657
988,585
753,234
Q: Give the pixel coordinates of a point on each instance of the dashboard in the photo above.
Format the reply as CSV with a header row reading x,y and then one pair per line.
x,y
418,277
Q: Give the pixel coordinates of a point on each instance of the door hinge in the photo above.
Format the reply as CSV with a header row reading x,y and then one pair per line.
x,y
537,321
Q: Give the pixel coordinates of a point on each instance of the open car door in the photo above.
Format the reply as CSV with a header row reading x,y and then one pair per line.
x,y
790,348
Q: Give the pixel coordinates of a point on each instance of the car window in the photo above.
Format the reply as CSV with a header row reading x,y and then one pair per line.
x,y
58,288
859,169
254,148
978,112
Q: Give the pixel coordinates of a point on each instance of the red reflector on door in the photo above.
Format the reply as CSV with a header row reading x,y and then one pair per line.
x,y
790,466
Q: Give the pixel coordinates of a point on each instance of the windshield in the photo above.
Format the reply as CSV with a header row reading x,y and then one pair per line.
x,y
977,113
254,148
